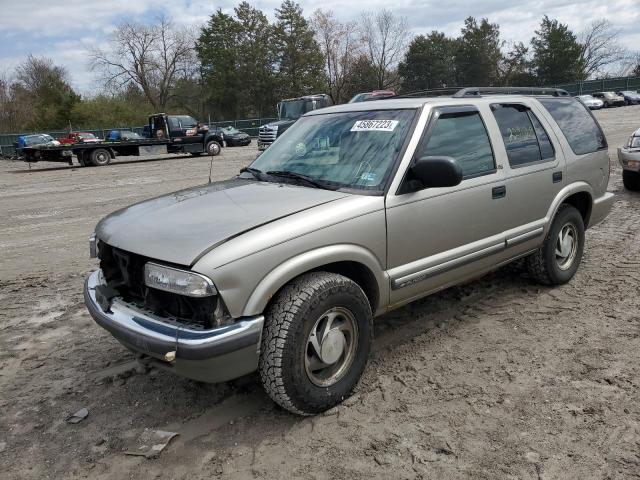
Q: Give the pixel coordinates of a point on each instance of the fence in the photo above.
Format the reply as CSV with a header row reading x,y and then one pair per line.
x,y
249,126
605,85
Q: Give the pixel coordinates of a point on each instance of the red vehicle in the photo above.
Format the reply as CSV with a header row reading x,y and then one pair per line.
x,y
79,137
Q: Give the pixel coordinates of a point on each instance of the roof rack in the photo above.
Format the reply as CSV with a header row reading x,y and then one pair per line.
x,y
478,91
457,92
432,92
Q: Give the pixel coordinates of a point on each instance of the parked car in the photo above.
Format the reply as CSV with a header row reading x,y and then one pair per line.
x,y
609,99
356,211
590,102
630,97
123,136
36,140
375,95
79,137
629,158
235,137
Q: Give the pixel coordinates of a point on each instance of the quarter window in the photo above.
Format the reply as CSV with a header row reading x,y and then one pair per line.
x,y
463,136
524,137
577,124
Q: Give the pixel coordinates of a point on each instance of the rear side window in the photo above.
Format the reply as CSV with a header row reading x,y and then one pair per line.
x,y
524,137
463,136
577,124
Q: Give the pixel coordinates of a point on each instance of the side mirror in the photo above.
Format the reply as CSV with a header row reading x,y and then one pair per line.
x,y
436,172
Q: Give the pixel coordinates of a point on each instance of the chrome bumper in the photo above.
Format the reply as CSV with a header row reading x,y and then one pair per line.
x,y
215,355
629,158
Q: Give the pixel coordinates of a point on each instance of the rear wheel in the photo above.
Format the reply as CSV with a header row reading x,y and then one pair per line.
x,y
315,343
631,180
100,157
213,148
559,257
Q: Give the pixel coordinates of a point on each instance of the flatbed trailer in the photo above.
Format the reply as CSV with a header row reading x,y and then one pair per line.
x,y
99,153
176,137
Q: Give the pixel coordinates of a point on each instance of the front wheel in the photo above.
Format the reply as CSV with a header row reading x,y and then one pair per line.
x,y
213,148
559,257
631,180
315,343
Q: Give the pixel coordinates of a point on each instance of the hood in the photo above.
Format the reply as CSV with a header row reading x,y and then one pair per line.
x,y
180,227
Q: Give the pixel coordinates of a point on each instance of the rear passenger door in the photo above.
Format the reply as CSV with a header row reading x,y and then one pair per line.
x,y
534,170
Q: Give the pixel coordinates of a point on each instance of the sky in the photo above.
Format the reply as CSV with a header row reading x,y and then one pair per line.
x,y
65,30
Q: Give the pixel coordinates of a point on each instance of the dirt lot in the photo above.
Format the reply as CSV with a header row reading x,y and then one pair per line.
x,y
496,379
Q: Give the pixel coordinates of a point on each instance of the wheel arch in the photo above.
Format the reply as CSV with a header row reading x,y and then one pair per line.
x,y
579,195
352,261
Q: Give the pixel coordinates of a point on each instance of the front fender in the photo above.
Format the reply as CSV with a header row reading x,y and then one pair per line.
x,y
313,259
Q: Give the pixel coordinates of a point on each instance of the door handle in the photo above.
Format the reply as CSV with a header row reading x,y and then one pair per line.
x,y
499,192
557,177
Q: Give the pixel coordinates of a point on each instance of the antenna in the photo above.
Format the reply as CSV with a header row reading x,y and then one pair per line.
x,y
210,167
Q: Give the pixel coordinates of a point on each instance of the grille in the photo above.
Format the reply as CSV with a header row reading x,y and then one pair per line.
x,y
124,272
267,134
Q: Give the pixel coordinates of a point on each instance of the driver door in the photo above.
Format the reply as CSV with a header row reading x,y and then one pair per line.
x,y
437,237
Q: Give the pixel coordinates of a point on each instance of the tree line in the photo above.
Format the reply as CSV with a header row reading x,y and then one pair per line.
x,y
239,64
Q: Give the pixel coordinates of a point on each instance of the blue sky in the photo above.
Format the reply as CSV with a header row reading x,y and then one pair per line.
x,y
64,30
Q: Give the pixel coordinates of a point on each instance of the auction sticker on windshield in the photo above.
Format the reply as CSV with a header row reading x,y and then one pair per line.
x,y
374,126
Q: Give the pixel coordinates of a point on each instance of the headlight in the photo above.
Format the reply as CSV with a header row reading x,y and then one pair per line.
x,y
177,281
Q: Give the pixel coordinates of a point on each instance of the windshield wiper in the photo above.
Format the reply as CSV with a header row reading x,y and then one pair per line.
x,y
305,178
253,171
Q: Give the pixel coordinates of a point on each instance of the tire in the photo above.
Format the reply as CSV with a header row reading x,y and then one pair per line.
x,y
213,148
100,157
631,180
551,265
289,363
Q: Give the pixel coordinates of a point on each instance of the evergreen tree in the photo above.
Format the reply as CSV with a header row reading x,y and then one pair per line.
x,y
478,53
428,63
556,54
299,59
217,51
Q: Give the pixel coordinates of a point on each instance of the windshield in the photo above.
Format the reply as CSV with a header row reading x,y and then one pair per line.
x,y
635,142
231,130
294,109
361,97
586,97
86,135
354,150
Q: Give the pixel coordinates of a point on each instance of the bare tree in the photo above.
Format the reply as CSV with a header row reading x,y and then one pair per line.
x,y
154,58
340,46
385,38
601,47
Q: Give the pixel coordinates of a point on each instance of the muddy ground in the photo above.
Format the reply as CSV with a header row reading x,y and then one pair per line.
x,y
499,378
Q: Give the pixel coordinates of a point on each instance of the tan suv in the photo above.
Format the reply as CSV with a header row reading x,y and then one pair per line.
x,y
356,210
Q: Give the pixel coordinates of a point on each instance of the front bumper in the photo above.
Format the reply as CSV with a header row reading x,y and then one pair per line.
x,y
629,158
215,355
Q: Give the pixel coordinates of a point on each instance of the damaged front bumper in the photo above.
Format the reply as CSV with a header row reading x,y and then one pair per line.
x,y
215,355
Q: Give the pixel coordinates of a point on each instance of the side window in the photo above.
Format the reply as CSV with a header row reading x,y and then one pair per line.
x,y
174,124
524,137
577,124
463,136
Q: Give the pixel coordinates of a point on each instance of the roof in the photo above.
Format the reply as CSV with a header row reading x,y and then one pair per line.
x,y
419,102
